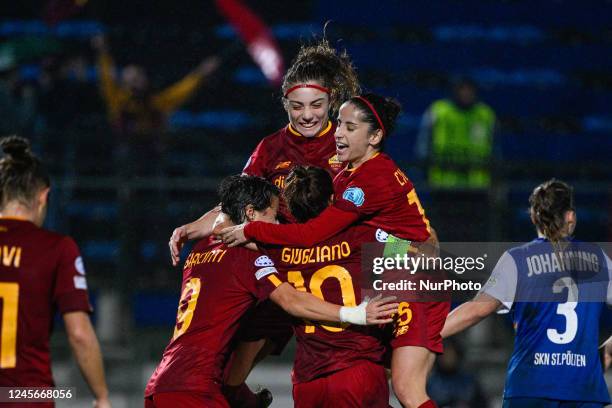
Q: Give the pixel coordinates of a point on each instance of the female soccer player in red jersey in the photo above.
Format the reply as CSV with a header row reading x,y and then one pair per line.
x,y
340,366
315,85
41,272
220,285
374,191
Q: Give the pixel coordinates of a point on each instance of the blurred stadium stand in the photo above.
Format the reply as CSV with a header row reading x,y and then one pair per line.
x,y
544,67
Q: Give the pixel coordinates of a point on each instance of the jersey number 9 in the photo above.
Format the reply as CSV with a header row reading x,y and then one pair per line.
x,y
186,308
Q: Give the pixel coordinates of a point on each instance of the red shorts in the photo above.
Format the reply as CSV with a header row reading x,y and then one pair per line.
x,y
186,400
364,385
268,321
419,324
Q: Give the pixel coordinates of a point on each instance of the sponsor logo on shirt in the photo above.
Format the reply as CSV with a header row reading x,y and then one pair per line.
x,y
264,261
265,272
80,282
79,266
280,182
354,195
282,165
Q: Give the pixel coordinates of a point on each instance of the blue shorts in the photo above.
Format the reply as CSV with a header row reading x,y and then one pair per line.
x,y
547,403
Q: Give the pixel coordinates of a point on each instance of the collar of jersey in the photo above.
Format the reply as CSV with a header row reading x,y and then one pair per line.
x,y
322,133
544,239
356,168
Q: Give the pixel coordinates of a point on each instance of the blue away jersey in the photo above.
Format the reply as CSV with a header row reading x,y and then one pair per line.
x,y
556,299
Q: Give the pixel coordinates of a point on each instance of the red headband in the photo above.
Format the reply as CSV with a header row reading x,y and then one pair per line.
x,y
364,100
320,88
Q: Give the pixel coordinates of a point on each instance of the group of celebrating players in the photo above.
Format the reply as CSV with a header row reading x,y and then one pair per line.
x,y
335,365
321,183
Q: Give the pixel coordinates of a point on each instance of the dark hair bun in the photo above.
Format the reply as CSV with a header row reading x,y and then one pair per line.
x,y
388,109
307,191
392,109
16,147
300,173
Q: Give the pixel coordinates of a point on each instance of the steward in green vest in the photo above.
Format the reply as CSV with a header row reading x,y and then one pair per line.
x,y
456,138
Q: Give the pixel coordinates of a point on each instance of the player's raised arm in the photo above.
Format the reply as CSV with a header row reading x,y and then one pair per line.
x,y
301,304
331,221
198,229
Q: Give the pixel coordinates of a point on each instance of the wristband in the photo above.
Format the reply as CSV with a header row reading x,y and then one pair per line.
x,y
354,314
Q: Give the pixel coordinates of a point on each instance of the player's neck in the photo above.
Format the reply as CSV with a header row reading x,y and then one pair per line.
x,y
542,236
18,211
370,154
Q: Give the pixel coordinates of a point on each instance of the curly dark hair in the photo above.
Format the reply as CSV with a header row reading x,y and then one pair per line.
x,y
236,192
332,69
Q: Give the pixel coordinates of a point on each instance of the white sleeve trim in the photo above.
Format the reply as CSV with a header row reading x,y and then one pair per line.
x,y
502,282
609,266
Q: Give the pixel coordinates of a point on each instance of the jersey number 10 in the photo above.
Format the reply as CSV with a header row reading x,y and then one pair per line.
x,y
316,281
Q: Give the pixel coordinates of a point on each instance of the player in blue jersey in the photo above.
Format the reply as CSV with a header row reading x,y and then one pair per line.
x,y
555,288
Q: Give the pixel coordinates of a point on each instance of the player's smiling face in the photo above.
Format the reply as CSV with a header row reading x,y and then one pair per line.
x,y
355,141
308,110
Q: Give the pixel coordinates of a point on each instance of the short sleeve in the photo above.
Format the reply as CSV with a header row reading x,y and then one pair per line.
x,y
267,278
502,282
256,165
364,195
70,292
263,276
609,266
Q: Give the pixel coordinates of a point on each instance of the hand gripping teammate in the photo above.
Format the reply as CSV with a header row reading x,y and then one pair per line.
x,y
555,362
41,272
220,285
372,190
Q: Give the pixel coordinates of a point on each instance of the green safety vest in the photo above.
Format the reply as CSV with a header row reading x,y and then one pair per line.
x,y
461,145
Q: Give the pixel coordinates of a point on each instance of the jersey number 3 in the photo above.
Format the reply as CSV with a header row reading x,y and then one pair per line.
x,y
567,310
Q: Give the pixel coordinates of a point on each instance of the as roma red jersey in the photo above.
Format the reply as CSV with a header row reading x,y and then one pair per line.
x,y
331,270
383,197
220,284
41,272
279,152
